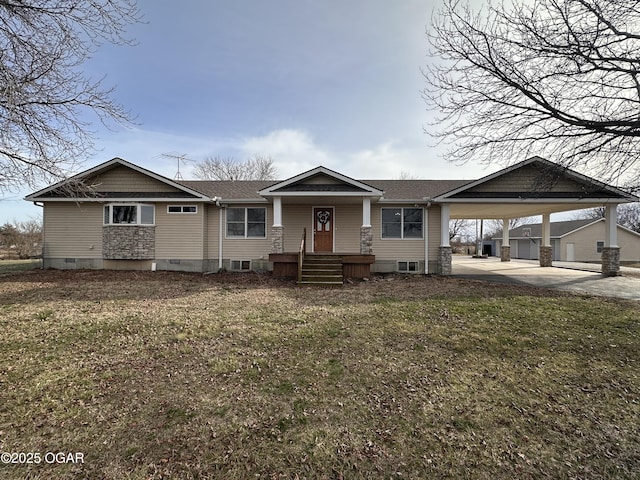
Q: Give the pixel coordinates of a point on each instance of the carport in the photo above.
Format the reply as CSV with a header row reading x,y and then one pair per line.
x,y
534,187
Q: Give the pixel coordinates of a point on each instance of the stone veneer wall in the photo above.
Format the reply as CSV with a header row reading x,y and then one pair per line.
x,y
505,253
366,240
130,242
546,256
277,239
444,260
611,261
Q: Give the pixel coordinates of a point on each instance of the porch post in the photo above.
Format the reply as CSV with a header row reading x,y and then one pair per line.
x,y
366,235
444,252
505,248
277,211
277,230
546,251
611,250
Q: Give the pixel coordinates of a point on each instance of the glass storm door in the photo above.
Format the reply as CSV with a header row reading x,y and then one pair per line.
x,y
323,229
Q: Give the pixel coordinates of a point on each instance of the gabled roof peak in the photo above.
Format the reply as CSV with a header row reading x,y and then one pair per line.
x,y
103,167
336,184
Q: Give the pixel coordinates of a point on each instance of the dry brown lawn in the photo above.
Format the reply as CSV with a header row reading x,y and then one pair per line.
x,y
167,375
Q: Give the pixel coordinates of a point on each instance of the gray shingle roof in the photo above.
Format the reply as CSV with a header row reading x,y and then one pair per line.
x,y
393,189
558,229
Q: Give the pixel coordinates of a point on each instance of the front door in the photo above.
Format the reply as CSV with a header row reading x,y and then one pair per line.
x,y
323,229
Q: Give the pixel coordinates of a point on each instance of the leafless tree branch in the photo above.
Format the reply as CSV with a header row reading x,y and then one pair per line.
x,y
44,96
226,168
556,78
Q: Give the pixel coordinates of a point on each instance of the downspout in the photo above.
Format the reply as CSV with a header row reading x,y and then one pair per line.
x,y
221,234
41,205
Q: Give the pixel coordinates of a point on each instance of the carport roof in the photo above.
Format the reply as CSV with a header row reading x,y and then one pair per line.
x,y
532,187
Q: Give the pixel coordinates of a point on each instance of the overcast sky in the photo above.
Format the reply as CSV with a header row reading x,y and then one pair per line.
x,y
316,82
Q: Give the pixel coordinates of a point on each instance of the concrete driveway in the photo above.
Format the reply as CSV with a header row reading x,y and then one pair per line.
x,y
563,277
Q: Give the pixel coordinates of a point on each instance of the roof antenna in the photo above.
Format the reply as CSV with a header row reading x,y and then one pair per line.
x,y
179,158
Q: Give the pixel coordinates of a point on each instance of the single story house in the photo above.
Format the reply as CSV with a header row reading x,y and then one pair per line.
x,y
118,215
572,241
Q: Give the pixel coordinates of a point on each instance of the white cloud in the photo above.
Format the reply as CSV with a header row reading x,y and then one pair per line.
x,y
293,151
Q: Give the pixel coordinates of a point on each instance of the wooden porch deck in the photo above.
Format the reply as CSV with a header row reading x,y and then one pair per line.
x,y
354,265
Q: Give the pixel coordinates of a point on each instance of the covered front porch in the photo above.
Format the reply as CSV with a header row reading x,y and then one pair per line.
x,y
321,223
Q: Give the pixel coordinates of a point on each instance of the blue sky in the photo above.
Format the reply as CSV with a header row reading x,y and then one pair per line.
x,y
308,83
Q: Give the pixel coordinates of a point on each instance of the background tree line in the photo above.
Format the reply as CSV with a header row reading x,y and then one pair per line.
x,y
21,239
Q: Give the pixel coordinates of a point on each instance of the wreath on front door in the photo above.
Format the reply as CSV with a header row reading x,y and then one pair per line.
x,y
323,217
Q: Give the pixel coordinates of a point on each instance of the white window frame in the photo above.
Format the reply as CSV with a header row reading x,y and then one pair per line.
x,y
408,270
182,209
241,261
138,206
246,222
401,237
599,246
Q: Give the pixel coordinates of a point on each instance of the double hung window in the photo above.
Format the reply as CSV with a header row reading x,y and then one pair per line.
x,y
247,222
402,223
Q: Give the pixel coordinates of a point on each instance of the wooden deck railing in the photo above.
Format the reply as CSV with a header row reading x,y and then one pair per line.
x,y
301,252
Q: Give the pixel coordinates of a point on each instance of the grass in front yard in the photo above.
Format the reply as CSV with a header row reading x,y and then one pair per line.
x,y
13,266
184,376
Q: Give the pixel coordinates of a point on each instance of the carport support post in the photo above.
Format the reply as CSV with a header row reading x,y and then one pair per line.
x,y
546,252
505,249
444,252
611,250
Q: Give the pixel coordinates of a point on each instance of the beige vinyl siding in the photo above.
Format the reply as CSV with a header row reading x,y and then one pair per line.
x,y
434,213
73,230
179,236
294,219
348,220
123,179
348,224
248,248
205,230
585,244
629,244
213,231
396,249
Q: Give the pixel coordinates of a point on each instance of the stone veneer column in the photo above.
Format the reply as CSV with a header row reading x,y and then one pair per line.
x,y
444,260
611,261
546,256
366,241
505,253
277,239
